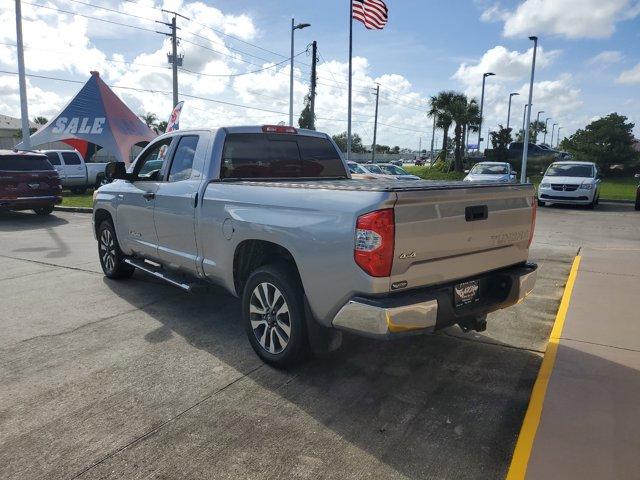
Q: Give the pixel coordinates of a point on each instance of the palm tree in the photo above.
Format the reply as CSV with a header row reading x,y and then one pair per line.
x,y
40,120
151,119
441,105
465,114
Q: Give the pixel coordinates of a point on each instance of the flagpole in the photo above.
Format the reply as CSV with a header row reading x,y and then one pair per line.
x,y
350,73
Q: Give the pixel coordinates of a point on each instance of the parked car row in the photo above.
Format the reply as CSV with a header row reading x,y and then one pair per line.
x,y
374,171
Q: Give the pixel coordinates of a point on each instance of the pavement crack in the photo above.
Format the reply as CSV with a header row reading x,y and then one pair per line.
x,y
600,344
166,422
495,344
48,264
84,325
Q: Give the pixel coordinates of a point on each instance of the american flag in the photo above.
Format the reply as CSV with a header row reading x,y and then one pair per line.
x,y
373,13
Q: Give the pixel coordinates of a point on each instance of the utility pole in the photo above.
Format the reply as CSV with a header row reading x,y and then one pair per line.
x,y
525,147
22,80
375,126
553,130
312,100
558,139
173,58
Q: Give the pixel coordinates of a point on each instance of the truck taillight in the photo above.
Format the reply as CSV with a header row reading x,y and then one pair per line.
x,y
375,236
534,212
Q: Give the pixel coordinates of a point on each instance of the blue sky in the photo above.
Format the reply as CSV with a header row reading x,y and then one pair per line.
x,y
589,61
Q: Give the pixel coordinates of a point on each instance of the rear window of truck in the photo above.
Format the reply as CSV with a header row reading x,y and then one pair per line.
x,y
259,155
24,163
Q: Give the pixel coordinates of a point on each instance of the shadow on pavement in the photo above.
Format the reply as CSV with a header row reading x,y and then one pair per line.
x,y
418,405
21,221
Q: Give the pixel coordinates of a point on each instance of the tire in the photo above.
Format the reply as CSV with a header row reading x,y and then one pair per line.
x,y
638,200
44,210
110,255
593,203
541,203
79,190
100,181
279,335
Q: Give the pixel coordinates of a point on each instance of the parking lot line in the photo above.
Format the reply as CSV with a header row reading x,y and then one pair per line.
x,y
522,452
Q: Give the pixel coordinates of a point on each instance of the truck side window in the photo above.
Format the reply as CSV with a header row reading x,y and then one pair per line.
x,y
150,164
53,158
70,158
183,158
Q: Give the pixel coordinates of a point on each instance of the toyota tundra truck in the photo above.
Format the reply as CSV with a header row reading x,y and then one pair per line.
x,y
271,214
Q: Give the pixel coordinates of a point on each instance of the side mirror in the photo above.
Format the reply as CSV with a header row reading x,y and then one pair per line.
x,y
116,171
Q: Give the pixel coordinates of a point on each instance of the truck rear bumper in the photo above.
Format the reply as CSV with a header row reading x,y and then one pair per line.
x,y
428,309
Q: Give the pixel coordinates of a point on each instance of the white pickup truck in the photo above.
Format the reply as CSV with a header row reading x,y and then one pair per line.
x,y
272,215
76,174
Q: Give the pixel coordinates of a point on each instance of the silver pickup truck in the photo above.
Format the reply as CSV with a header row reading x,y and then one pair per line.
x,y
272,215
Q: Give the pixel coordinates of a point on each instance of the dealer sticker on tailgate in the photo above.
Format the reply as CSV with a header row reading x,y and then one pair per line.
x,y
466,293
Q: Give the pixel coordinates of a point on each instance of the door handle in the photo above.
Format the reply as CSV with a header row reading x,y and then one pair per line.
x,y
149,195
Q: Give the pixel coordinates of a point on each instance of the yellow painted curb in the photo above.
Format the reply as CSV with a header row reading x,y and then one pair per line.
x,y
522,452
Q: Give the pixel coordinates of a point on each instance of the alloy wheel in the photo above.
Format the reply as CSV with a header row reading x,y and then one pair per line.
x,y
107,250
270,321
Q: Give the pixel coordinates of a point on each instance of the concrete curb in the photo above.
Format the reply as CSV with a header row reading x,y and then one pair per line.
x,y
625,202
74,209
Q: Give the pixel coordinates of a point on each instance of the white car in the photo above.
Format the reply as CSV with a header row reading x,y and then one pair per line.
x,y
398,172
369,171
575,183
491,172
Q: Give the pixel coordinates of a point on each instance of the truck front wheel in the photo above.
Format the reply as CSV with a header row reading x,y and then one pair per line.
x,y
111,257
273,314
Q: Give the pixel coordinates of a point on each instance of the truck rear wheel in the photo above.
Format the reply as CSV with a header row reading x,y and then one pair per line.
x,y
273,315
78,190
111,257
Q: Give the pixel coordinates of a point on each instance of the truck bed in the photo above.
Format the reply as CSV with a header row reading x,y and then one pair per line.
x,y
382,185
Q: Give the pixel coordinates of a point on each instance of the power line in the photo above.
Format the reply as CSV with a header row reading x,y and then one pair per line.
x,y
68,12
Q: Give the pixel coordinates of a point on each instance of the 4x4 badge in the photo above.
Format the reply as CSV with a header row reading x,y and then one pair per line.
x,y
404,255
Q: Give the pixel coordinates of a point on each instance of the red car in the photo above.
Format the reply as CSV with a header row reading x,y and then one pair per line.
x,y
28,182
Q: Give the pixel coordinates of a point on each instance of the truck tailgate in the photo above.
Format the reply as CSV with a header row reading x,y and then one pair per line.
x,y
449,234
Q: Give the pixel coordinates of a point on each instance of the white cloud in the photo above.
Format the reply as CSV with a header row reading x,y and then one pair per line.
x,y
507,65
608,57
630,77
568,18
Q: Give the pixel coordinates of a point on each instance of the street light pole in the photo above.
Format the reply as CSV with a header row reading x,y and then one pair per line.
x,y
524,119
537,121
558,139
511,95
525,147
546,127
484,79
294,27
552,132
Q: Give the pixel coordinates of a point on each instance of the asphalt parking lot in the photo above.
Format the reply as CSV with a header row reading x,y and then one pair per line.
x,y
135,379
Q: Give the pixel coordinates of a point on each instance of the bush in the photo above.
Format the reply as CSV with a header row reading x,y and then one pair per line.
x,y
430,173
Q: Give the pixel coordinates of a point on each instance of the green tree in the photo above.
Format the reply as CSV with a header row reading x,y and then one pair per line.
x,y
151,119
606,141
40,120
441,106
465,113
356,142
500,141
162,126
307,120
